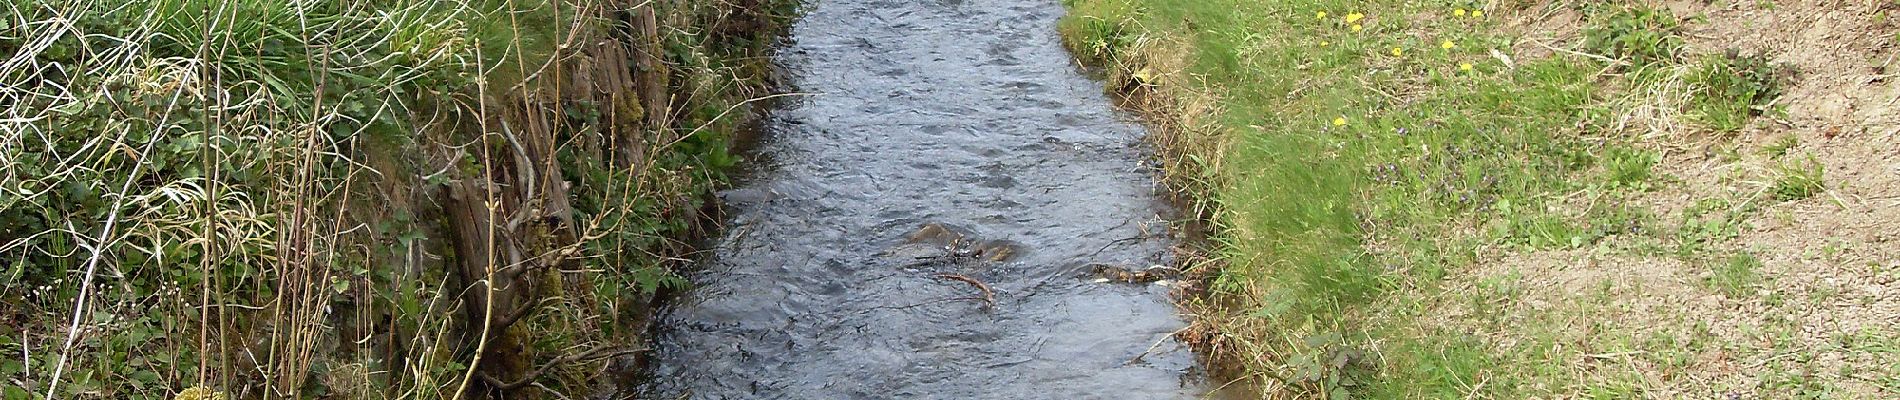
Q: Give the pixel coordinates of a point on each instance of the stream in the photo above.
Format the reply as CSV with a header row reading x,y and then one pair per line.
x,y
961,114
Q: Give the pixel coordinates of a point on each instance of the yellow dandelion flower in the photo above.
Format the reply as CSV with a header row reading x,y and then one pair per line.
x,y
1459,12
1354,17
1321,14
1448,45
1341,121
1325,43
1398,52
1357,27
1466,67
1477,13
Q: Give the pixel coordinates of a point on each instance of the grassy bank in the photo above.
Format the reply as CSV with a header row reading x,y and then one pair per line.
x,y
360,199
1452,199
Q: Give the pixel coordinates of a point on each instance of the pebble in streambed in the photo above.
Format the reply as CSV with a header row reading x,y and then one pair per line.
x,y
1156,274
938,242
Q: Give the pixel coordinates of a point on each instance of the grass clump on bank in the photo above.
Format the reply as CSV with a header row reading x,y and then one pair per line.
x,y
1381,177
1733,90
371,199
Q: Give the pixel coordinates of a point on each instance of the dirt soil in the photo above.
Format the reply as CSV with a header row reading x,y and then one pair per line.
x,y
1824,316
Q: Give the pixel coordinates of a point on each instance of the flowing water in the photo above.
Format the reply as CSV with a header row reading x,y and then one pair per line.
x,y
960,112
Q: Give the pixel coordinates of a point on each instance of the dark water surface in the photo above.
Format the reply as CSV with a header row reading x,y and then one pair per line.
x,y
965,112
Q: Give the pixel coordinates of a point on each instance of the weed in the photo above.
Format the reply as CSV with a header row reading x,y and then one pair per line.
x,y
1730,90
1548,232
1781,146
1798,180
1639,34
1736,276
1630,168
1614,389
1708,222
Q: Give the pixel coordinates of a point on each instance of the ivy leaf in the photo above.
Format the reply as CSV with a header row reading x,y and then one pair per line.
x,y
145,379
16,271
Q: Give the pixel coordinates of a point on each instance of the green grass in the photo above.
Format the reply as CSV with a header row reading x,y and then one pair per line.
x,y
1354,179
1798,180
1709,222
1736,276
1630,168
1781,146
1730,91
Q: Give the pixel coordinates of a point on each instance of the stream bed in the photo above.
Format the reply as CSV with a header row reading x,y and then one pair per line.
x,y
930,218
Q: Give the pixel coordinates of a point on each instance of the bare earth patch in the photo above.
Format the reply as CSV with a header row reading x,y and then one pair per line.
x,y
1800,300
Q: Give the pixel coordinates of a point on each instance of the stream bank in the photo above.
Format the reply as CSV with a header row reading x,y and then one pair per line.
x,y
400,199
1534,199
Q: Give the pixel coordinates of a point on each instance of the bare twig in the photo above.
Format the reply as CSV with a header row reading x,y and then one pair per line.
x,y
1151,348
488,283
989,296
1611,61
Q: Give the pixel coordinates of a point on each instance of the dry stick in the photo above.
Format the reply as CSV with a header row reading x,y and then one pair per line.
x,y
989,296
548,390
1151,348
1611,61
309,345
214,108
488,284
296,250
296,352
1478,389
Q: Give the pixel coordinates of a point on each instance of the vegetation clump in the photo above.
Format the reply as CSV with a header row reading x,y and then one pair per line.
x,y
1640,34
1731,90
372,199
1799,180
